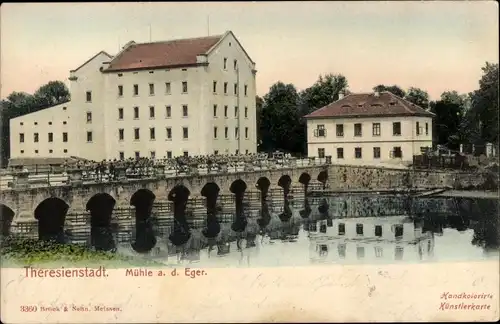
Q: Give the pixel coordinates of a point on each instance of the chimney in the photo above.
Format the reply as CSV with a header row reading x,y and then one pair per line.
x,y
377,94
341,95
128,45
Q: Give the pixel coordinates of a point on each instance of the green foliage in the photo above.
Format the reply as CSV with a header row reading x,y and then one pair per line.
x,y
394,89
21,103
418,97
26,251
450,112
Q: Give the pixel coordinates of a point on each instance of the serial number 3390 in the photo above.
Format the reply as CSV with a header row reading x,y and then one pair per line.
x,y
28,308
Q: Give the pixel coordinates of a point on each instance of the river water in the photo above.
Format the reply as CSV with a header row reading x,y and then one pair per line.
x,y
336,230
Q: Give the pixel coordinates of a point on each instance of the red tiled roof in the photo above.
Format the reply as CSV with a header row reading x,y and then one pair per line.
x,y
370,105
175,53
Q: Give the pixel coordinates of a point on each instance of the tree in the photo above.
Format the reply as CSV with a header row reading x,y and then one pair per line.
x,y
449,112
323,92
259,102
279,123
20,103
52,93
484,107
418,97
394,89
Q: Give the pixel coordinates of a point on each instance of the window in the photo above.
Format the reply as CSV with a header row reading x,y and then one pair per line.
x,y
215,132
321,153
121,134
169,154
246,112
136,134
22,151
136,112
64,123
152,154
378,230
341,229
21,123
185,133
136,89
340,153
186,153
236,111
215,110
246,132
152,134
122,156
35,137
89,96
137,155
236,132
360,252
246,90
120,113
340,130
235,88
168,111
120,91
216,152
235,64
396,129
89,117
379,252
225,87
50,123
36,151
376,152
151,89
89,137
51,151
21,138
167,88
357,152
225,111
36,123
246,151
397,152
417,125
184,110
359,229
237,152
357,130
426,129
65,151
151,112
51,137
226,132
376,129
64,108
225,63
184,87
398,253
169,133
215,87
320,131
65,137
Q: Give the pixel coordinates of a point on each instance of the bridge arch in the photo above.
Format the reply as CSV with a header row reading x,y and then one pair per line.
x,y
238,186
305,178
145,239
6,218
51,215
211,192
285,181
323,177
179,193
210,189
101,206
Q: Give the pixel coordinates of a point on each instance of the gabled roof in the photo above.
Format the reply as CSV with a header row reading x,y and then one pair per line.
x,y
386,104
173,53
90,59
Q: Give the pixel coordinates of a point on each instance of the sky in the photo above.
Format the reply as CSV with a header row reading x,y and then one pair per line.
x,y
436,46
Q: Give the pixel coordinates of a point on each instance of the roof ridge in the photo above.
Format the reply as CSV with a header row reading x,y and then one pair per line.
x,y
178,39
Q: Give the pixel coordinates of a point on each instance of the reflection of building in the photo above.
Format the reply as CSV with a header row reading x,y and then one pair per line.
x,y
370,238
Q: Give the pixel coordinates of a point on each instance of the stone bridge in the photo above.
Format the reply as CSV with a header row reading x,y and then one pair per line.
x,y
24,203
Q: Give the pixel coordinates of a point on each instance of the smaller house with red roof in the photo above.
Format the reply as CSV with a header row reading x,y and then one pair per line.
x,y
369,128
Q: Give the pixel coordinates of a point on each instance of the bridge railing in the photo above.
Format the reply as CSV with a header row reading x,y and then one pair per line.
x,y
57,176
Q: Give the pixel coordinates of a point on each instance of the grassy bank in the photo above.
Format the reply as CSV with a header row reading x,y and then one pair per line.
x,y
19,252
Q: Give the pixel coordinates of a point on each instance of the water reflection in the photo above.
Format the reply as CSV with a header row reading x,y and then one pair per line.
x,y
290,230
